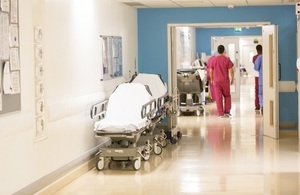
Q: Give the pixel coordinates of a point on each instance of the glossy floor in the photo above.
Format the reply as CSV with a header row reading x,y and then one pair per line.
x,y
215,156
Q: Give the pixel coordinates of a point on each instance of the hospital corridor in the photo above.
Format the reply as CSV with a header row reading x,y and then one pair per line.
x,y
110,97
214,156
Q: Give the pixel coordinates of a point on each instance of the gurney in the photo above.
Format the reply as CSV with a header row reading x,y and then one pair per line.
x,y
162,130
190,86
124,118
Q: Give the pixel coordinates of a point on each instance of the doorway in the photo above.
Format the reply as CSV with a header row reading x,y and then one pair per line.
x,y
271,61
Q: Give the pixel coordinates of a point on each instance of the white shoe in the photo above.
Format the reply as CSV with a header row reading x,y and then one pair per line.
x,y
228,115
222,116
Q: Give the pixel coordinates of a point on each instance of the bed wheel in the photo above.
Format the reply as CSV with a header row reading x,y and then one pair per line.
x,y
145,155
136,164
110,164
164,143
179,135
173,140
100,164
200,111
157,149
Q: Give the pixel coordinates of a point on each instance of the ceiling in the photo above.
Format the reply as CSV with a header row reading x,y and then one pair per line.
x,y
203,3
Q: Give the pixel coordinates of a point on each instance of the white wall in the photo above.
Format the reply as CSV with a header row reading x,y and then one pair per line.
x,y
72,30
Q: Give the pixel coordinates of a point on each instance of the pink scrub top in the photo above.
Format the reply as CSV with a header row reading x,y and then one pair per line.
x,y
221,64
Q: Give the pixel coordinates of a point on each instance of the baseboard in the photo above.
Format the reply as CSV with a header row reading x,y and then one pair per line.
x,y
288,125
288,129
61,177
293,133
68,178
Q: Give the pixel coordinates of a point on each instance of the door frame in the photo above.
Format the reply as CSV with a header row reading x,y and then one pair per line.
x,y
172,80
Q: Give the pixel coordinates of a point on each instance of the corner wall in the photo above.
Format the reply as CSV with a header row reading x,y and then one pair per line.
x,y
72,30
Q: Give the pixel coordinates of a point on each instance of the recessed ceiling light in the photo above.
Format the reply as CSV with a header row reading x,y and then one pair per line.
x,y
230,6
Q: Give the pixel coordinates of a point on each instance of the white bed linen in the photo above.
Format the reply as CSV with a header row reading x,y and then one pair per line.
x,y
157,86
124,109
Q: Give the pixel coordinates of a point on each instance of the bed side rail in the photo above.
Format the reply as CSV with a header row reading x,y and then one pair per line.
x,y
162,101
148,109
99,109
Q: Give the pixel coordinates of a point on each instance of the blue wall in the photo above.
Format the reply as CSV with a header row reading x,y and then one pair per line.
x,y
152,39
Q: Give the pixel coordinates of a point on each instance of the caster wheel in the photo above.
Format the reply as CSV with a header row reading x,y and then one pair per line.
x,y
178,113
100,164
136,164
179,135
200,111
173,140
157,149
145,155
164,143
111,165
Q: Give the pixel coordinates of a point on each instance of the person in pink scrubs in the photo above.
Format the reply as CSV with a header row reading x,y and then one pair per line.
x,y
222,76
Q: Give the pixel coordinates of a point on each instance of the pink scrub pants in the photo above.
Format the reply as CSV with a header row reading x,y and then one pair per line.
x,y
222,92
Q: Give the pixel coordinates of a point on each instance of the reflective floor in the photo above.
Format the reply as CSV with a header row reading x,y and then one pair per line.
x,y
214,156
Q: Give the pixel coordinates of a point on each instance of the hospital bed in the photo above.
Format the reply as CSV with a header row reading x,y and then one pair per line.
x,y
130,112
189,86
164,125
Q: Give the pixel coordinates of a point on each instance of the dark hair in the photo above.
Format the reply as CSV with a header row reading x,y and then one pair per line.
x,y
221,49
258,48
